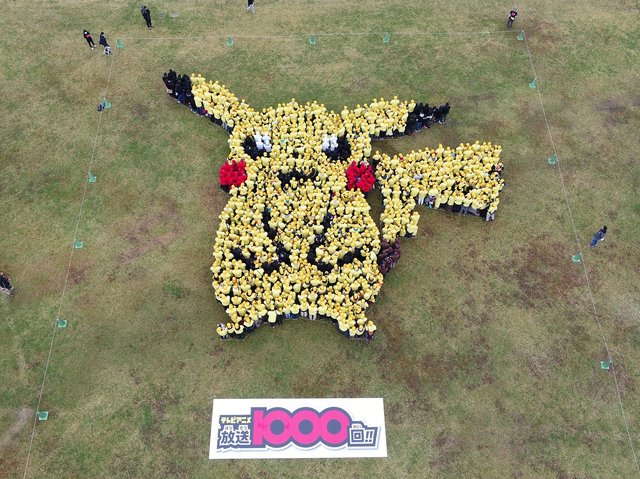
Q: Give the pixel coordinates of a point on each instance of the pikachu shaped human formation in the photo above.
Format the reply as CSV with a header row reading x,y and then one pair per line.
x,y
296,238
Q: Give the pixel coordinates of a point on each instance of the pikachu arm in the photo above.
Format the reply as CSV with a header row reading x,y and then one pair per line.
x,y
467,176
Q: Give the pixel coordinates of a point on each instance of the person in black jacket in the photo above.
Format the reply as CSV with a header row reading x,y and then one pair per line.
x,y
5,284
445,111
146,14
512,17
169,80
103,41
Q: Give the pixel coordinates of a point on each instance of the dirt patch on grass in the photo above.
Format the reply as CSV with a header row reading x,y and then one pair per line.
x,y
214,199
77,274
613,112
21,420
396,365
357,85
141,111
435,368
543,37
448,447
468,267
155,230
471,365
314,383
135,375
626,383
488,98
542,271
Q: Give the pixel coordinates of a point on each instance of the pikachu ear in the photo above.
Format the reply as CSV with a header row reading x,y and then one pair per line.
x,y
465,179
208,98
386,118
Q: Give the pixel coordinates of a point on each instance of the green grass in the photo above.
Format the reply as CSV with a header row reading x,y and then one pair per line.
x,y
488,349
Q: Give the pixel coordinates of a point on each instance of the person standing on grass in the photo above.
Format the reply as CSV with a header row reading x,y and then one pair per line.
x,y
146,14
599,236
102,40
5,284
88,38
512,17
222,331
371,330
251,8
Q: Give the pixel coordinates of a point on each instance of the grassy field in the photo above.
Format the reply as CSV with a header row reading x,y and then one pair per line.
x,y
488,348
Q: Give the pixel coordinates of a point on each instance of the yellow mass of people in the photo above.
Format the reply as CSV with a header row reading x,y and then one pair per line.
x,y
293,240
466,178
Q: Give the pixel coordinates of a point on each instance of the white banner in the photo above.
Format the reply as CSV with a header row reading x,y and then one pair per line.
x,y
297,428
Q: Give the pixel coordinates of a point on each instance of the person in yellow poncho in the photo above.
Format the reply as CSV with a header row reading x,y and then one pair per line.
x,y
353,332
371,330
272,318
222,331
238,329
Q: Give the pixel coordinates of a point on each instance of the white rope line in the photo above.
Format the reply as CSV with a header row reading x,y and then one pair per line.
x,y
321,34
584,266
66,279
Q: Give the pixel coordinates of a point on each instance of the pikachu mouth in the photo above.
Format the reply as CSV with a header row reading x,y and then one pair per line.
x,y
297,174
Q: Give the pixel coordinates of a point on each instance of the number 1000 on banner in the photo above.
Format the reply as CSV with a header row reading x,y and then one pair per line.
x,y
297,428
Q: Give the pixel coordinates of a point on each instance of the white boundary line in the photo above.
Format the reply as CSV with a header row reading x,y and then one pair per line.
x,y
584,266
66,279
325,34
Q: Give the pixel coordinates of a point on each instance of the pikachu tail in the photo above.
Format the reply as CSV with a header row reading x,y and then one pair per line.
x,y
465,180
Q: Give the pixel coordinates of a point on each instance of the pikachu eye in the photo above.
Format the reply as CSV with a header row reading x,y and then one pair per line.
x,y
336,148
257,145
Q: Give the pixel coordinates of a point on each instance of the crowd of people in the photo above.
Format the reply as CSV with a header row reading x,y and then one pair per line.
x,y
296,239
466,179
360,176
232,173
388,256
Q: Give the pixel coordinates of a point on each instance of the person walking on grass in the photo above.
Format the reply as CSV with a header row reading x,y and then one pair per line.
x,y
251,8
146,14
512,17
88,38
599,236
